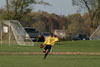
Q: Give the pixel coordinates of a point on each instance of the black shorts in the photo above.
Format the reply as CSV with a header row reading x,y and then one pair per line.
x,y
48,47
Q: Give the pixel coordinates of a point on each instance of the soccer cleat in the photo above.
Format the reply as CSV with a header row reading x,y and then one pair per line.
x,y
44,58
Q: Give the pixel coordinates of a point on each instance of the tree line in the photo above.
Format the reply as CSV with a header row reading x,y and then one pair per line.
x,y
93,9
44,22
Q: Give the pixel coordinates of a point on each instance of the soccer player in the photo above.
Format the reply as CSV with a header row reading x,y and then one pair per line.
x,y
49,42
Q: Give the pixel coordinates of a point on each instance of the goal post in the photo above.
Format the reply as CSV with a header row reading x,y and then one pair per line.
x,y
96,34
12,32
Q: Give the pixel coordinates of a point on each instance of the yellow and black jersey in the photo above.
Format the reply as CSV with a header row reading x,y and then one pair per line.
x,y
50,41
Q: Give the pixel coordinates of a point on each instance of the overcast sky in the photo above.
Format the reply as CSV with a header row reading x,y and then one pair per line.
x,y
60,7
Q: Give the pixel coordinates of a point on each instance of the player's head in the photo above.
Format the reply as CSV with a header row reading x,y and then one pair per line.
x,y
51,34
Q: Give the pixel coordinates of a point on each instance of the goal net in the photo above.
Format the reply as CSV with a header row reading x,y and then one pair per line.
x,y
12,32
96,34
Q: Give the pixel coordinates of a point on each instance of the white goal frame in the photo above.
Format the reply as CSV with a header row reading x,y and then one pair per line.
x,y
96,34
14,25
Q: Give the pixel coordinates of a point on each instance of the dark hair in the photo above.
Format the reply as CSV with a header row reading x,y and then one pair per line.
x,y
51,34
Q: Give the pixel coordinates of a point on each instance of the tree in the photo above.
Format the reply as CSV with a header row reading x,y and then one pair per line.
x,y
92,6
7,8
76,25
39,26
21,7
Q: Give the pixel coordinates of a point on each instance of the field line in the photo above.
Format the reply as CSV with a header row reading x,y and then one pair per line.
x,y
52,53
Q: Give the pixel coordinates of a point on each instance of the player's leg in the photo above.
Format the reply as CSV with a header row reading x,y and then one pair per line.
x,y
47,51
45,48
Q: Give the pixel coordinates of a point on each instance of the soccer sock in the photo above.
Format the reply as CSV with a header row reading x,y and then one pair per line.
x,y
45,55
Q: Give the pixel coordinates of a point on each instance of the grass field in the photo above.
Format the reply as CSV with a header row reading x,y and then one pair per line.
x,y
52,60
65,46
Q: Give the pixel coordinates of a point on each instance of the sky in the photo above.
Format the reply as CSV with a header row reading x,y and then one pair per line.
x,y
59,7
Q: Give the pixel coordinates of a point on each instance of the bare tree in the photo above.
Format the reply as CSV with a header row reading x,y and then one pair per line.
x,y
21,7
92,6
7,8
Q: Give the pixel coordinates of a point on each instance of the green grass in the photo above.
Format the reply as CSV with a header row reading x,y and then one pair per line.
x,y
65,46
51,61
78,46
